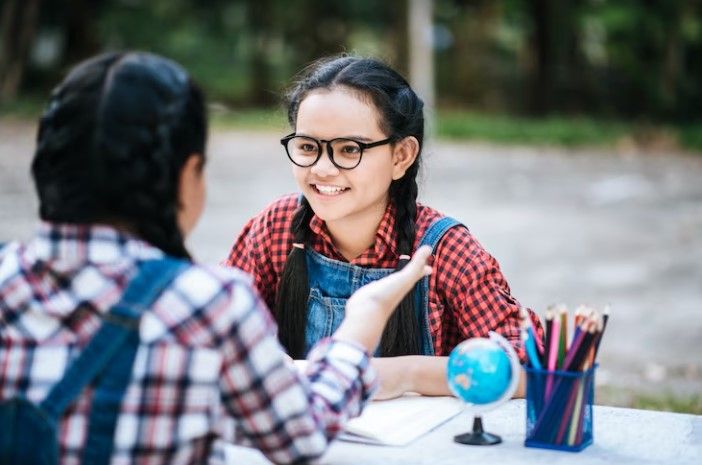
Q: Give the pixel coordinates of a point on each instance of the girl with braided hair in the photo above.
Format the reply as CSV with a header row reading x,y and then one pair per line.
x,y
355,153
115,347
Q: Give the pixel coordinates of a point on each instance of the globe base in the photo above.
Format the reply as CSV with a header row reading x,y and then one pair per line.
x,y
478,437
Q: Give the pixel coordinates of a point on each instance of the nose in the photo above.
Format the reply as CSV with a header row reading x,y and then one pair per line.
x,y
324,166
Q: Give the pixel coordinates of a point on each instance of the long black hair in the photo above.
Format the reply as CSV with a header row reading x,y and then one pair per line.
x,y
112,142
401,115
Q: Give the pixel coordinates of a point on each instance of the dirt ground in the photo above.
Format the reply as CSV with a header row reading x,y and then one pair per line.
x,y
577,227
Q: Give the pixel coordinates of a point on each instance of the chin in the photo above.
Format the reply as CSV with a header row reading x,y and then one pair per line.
x,y
324,214
327,213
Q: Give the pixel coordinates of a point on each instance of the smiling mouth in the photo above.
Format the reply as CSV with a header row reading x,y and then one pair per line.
x,y
328,190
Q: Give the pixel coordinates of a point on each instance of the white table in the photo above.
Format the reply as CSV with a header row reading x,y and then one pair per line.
x,y
621,436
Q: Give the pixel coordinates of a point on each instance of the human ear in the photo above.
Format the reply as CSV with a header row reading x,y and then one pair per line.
x,y
404,154
191,192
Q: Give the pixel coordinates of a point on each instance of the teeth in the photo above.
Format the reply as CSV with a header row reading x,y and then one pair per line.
x,y
329,189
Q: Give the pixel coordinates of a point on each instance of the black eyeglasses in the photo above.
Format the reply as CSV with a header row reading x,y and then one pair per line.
x,y
344,153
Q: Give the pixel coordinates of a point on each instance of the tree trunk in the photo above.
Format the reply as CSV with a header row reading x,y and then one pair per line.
x,y
260,27
81,37
542,88
421,54
19,26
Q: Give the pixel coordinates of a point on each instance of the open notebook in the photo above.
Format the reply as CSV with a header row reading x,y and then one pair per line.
x,y
398,422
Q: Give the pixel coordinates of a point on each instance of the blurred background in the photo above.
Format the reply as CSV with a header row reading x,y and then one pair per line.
x,y
629,61
566,134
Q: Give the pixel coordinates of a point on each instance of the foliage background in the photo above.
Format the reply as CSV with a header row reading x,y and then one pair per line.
x,y
637,60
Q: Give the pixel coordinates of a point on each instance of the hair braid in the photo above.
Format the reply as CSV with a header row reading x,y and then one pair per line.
x,y
113,141
401,335
293,289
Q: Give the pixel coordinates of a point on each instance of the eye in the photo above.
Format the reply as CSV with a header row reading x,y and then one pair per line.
x,y
304,146
350,149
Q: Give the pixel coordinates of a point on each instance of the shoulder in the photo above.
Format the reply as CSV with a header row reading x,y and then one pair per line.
x,y
202,305
457,244
10,253
427,216
9,248
283,207
277,214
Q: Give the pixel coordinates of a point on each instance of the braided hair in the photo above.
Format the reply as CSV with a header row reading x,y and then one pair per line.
x,y
112,142
401,115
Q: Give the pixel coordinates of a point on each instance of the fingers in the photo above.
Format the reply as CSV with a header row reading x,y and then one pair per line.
x,y
418,265
368,309
391,289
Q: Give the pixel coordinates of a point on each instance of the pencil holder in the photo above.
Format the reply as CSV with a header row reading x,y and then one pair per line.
x,y
559,409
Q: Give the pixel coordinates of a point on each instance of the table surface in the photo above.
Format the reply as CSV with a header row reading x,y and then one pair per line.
x,y
621,436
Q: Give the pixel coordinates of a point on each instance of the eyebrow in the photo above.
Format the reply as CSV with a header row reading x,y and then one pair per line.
x,y
358,138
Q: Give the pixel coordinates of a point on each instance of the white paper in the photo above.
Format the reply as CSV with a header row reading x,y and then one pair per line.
x,y
398,422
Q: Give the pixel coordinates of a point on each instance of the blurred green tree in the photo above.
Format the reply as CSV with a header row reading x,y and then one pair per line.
x,y
614,58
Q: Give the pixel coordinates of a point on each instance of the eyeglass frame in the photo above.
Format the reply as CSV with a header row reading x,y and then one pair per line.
x,y
330,151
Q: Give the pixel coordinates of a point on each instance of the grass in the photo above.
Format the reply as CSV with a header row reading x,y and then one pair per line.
x,y
465,125
691,136
666,401
669,403
567,131
27,108
514,130
251,119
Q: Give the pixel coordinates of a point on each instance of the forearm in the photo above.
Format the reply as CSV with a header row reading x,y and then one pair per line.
x,y
425,375
521,386
428,375
413,373
363,331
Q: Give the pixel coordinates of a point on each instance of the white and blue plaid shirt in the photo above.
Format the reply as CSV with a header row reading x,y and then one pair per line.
x,y
208,366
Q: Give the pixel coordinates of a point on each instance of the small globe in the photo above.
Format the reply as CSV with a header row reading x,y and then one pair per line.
x,y
483,372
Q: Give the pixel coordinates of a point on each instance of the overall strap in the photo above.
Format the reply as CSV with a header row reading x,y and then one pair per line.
x,y
432,236
118,325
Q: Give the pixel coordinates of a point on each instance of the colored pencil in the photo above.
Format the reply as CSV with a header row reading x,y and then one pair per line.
x,y
553,353
547,336
563,343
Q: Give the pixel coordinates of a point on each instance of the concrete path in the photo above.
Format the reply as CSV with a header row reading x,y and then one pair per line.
x,y
567,226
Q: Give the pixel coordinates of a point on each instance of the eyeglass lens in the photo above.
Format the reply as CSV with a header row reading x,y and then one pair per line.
x,y
304,151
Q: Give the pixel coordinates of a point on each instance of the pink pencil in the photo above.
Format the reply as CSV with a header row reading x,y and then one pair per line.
x,y
552,353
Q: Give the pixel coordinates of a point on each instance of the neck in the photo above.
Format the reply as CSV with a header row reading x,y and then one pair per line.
x,y
353,235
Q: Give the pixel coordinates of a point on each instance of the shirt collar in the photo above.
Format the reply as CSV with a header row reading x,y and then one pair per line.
x,y
385,235
93,243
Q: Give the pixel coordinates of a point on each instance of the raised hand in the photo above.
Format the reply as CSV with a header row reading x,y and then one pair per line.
x,y
369,308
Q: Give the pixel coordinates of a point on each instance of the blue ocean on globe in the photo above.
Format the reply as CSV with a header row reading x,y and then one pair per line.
x,y
479,371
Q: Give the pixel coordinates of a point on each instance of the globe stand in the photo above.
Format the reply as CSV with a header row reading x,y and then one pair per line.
x,y
478,437
484,374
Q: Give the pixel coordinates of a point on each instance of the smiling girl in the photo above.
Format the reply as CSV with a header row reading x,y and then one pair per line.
x,y
355,153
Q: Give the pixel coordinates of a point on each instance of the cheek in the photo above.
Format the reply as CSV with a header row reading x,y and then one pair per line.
x,y
300,175
202,193
375,176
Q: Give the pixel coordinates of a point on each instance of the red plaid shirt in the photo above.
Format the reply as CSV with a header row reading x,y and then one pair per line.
x,y
208,365
468,296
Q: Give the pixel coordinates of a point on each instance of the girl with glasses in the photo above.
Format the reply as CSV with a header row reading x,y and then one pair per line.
x,y
356,151
115,347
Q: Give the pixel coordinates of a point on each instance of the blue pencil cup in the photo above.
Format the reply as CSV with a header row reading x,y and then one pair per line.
x,y
559,409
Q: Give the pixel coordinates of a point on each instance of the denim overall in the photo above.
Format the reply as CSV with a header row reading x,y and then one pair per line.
x,y
28,432
332,282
